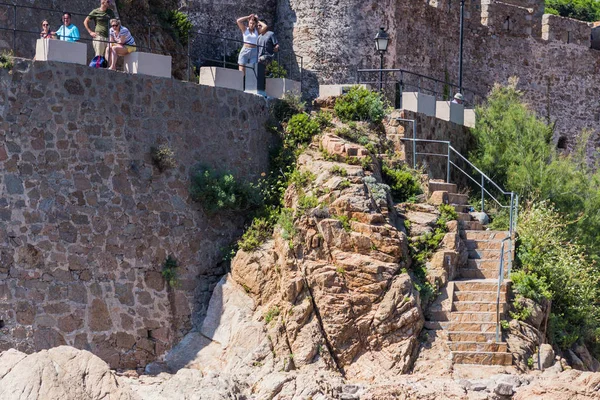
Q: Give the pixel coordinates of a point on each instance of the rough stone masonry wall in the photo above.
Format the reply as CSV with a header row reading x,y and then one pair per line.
x,y
86,220
560,80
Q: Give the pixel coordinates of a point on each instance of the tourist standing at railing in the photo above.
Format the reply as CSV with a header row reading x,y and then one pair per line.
x,y
249,53
458,98
101,17
267,43
46,33
121,43
67,31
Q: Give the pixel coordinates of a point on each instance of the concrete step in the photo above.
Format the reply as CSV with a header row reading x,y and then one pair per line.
x,y
489,254
457,198
458,326
478,296
478,346
442,186
480,273
485,235
484,263
460,208
463,216
479,306
480,337
487,285
481,358
472,316
483,244
472,225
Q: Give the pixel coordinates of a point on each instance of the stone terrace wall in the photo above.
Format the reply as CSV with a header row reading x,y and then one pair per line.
x,y
86,220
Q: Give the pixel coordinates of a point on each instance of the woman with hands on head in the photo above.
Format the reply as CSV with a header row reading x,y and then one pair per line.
x,y
249,53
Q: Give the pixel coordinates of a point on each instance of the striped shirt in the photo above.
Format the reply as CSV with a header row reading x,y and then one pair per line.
x,y
123,33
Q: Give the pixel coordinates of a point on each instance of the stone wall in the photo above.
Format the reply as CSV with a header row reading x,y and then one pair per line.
x,y
87,221
559,79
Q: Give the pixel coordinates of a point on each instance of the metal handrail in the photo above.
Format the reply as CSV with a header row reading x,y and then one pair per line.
x,y
500,281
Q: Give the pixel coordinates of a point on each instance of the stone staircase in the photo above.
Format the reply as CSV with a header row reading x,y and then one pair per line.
x,y
466,309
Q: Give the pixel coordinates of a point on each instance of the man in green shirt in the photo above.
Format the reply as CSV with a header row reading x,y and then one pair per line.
x,y
100,16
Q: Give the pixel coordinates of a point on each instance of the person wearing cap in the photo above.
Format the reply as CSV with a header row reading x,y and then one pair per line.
x,y
458,98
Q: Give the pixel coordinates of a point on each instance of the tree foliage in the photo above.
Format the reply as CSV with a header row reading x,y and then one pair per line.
x,y
584,10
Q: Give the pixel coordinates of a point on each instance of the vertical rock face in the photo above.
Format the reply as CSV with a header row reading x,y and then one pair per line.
x,y
87,221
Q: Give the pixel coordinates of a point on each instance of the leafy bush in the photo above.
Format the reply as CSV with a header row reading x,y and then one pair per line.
x,y
259,232
275,70
163,157
562,269
271,314
324,118
301,129
360,104
291,104
6,59
221,191
530,285
179,23
169,271
402,182
286,222
584,10
354,135
337,170
378,190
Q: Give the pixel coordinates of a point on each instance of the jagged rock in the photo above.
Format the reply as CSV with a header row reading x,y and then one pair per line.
x,y
546,356
61,373
590,363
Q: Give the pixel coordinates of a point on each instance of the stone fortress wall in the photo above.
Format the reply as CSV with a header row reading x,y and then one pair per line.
x,y
87,221
559,72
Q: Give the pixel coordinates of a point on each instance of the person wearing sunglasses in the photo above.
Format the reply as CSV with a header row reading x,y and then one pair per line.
x,y
101,17
46,33
121,43
67,31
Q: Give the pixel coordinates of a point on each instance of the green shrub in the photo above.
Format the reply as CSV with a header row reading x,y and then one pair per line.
x,y
337,170
324,118
6,59
163,157
286,222
402,182
180,25
301,129
360,104
271,314
259,232
584,10
169,271
355,135
275,70
301,179
559,267
378,190
345,220
291,104
306,203
221,191
530,286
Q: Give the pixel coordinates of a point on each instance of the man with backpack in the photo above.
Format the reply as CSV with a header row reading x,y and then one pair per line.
x,y
101,17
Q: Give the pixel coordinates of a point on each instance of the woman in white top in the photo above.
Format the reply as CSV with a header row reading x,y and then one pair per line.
x,y
249,53
121,43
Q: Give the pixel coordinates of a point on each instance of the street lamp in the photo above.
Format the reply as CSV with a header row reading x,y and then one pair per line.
x,y
460,47
381,43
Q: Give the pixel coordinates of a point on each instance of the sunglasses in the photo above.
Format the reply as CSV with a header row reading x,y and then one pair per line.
x,y
115,25
44,24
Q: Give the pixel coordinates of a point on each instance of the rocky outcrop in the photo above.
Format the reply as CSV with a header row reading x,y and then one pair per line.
x,y
61,373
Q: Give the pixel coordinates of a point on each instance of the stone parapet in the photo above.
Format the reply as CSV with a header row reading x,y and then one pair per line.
x,y
87,220
507,19
566,30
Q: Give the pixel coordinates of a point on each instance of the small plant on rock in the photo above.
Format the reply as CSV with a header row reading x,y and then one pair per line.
x,y
6,59
403,184
260,231
301,129
163,157
271,314
337,170
169,272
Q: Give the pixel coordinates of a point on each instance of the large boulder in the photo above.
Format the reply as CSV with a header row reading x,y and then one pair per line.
x,y
61,373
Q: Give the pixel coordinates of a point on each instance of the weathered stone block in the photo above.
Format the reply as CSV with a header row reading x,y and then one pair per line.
x,y
148,64
58,50
222,77
277,87
419,102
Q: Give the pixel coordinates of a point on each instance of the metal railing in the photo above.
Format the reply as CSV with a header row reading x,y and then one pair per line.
x,y
512,206
395,81
222,51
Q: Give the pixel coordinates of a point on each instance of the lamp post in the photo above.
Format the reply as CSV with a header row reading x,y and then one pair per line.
x,y
460,46
381,43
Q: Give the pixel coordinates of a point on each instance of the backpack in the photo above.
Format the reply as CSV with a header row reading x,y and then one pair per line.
x,y
98,62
